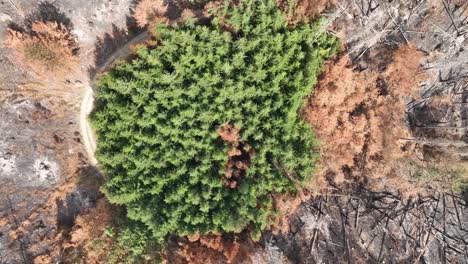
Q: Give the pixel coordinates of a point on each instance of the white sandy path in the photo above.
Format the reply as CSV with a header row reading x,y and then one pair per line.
x,y
89,140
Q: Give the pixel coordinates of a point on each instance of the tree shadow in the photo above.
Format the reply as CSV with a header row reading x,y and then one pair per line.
x,y
16,27
174,8
45,12
48,12
111,42
84,196
73,203
90,176
464,195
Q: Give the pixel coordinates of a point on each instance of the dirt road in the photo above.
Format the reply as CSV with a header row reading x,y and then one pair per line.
x,y
89,139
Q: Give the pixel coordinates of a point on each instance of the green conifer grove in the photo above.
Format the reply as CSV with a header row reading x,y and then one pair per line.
x,y
196,133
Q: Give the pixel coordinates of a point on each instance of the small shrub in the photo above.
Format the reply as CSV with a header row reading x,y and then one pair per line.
x,y
447,176
460,185
131,244
49,46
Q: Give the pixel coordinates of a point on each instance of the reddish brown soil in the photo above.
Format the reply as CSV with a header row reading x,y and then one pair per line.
x,y
46,215
359,119
152,12
89,226
307,10
286,206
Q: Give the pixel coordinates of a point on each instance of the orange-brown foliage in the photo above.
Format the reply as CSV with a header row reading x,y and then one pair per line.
x,y
49,47
365,119
229,133
238,159
212,7
148,12
187,14
89,226
360,139
230,249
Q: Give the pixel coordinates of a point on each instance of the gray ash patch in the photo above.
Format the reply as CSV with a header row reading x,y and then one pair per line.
x,y
25,158
45,172
7,163
32,165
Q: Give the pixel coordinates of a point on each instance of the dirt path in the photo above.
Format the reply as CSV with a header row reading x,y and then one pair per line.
x,y
89,139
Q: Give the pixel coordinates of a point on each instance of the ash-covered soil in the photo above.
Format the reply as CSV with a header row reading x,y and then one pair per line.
x,y
390,107
42,158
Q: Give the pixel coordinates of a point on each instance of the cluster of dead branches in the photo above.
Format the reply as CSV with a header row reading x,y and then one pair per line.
x,y
377,227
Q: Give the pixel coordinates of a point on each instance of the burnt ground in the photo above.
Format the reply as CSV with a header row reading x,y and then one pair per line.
x,y
373,227
403,110
44,173
437,117
392,117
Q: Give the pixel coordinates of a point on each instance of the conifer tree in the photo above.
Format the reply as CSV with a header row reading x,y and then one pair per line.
x,y
196,133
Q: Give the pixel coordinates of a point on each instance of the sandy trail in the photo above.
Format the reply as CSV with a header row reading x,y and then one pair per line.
x,y
89,139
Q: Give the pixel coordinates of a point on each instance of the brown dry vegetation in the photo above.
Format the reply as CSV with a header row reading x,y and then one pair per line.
x,y
148,12
359,118
304,10
49,46
229,133
188,14
208,249
238,158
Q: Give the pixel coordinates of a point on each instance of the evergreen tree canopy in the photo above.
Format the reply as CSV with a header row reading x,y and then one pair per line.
x,y
196,133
